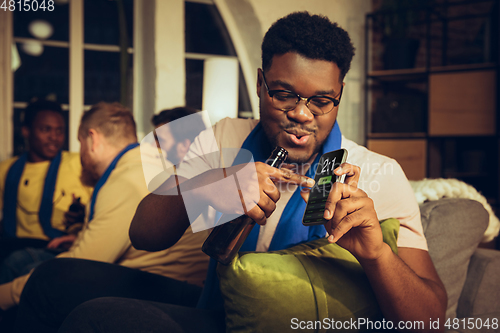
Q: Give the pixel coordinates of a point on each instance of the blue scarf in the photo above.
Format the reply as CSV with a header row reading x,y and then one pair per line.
x,y
290,231
46,206
105,176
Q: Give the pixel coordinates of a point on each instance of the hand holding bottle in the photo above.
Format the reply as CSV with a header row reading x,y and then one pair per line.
x,y
75,213
225,240
255,182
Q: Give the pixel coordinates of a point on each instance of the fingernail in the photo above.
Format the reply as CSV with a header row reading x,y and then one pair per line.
x,y
330,239
339,169
326,215
310,182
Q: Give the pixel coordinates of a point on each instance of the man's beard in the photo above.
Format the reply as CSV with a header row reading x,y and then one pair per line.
x,y
172,155
88,178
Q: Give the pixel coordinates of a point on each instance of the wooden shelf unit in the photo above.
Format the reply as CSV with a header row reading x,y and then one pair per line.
x,y
443,110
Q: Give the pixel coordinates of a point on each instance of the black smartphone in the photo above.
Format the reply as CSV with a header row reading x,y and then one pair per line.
x,y
324,180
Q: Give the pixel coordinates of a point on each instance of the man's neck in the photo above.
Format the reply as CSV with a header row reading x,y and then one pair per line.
x,y
111,151
33,157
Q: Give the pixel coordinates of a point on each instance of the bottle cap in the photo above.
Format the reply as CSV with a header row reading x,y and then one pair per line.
x,y
278,156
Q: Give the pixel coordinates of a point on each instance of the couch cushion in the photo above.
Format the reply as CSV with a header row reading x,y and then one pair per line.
x,y
453,228
314,281
481,294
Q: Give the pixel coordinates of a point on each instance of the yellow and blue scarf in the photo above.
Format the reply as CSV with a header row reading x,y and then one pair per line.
x,y
10,197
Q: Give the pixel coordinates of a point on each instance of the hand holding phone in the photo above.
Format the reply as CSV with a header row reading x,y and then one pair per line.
x,y
324,179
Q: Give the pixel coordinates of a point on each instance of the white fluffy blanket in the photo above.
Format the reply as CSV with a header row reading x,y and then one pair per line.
x,y
435,189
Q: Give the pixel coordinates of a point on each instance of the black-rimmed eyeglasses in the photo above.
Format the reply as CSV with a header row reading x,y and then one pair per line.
x,y
286,100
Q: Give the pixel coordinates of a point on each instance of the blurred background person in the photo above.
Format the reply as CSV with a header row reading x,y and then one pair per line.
x,y
111,161
38,188
167,145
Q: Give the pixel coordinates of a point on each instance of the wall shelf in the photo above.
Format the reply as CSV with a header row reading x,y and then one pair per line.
x,y
415,73
437,112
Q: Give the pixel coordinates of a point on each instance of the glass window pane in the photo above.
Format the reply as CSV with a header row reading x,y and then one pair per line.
x,y
43,75
102,77
205,30
102,24
194,87
19,144
58,19
194,83
243,98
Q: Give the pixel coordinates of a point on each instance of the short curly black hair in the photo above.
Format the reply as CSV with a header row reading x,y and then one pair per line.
x,y
38,106
313,36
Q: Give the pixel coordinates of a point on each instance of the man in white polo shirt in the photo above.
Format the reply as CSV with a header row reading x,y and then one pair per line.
x,y
304,61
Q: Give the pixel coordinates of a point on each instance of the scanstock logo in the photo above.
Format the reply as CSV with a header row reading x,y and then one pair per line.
x,y
229,192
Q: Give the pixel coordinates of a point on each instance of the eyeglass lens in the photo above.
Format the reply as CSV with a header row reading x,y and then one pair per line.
x,y
288,101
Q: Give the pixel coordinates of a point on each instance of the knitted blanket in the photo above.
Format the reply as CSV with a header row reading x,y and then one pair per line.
x,y
435,189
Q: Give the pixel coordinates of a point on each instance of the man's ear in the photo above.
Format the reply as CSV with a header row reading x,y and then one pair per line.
x,y
95,139
182,148
259,81
342,91
25,131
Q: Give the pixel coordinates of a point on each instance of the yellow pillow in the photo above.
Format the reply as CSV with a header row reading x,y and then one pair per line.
x,y
309,286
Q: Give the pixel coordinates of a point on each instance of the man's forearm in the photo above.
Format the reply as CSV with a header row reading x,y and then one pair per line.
x,y
402,294
161,217
159,222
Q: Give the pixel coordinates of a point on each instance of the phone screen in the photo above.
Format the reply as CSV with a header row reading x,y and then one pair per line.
x,y
324,180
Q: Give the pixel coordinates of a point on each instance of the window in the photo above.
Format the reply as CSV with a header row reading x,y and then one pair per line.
x,y
88,57
42,40
207,39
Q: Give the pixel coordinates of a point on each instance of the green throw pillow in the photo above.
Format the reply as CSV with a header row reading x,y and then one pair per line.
x,y
294,288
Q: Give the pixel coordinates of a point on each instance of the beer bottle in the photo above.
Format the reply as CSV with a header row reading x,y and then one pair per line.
x,y
225,240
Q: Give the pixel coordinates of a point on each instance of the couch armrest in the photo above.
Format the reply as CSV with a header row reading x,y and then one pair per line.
x,y
453,228
481,294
